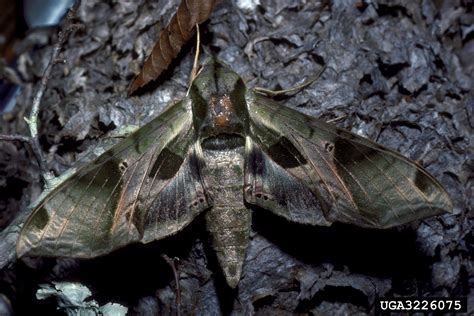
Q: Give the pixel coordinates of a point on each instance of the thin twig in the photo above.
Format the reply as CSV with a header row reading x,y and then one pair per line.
x,y
12,138
32,120
172,264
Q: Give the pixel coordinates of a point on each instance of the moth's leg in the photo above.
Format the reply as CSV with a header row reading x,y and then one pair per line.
x,y
273,93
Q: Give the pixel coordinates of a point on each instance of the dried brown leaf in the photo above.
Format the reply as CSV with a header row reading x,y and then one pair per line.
x,y
179,30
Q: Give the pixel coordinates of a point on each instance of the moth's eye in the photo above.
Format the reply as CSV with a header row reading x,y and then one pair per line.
x,y
123,166
329,147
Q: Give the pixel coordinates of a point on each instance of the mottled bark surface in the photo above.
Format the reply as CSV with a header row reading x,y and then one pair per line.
x,y
397,72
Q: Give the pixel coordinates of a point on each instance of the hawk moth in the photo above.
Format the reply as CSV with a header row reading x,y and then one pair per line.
x,y
220,150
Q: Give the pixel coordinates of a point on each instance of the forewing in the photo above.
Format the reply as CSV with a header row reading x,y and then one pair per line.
x,y
142,189
353,179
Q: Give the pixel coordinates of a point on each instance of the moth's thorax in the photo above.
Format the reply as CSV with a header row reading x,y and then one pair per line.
x,y
219,109
222,114
222,125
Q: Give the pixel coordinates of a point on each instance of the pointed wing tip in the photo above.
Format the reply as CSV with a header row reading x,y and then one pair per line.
x,y
21,248
449,206
443,202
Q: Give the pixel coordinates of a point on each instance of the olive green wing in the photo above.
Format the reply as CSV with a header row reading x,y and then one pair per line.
x,y
312,172
146,187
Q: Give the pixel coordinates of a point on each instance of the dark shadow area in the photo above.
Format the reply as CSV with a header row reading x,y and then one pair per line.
x,y
334,295
388,253
225,294
137,270
123,276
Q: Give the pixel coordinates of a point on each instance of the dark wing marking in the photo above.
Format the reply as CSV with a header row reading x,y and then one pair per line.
x,y
146,187
354,180
269,185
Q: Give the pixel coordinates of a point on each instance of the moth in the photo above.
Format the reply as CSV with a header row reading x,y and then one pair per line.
x,y
221,150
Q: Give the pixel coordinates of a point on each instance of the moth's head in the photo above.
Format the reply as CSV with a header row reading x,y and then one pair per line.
x,y
218,99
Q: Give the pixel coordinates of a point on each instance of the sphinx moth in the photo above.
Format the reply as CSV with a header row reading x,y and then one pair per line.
x,y
220,150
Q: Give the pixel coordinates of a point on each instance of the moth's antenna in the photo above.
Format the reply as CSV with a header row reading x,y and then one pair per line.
x,y
194,71
272,93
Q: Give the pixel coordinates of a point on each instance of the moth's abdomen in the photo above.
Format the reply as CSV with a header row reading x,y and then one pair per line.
x,y
229,227
229,220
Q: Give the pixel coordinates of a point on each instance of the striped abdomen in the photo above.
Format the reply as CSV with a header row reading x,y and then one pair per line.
x,y
229,220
